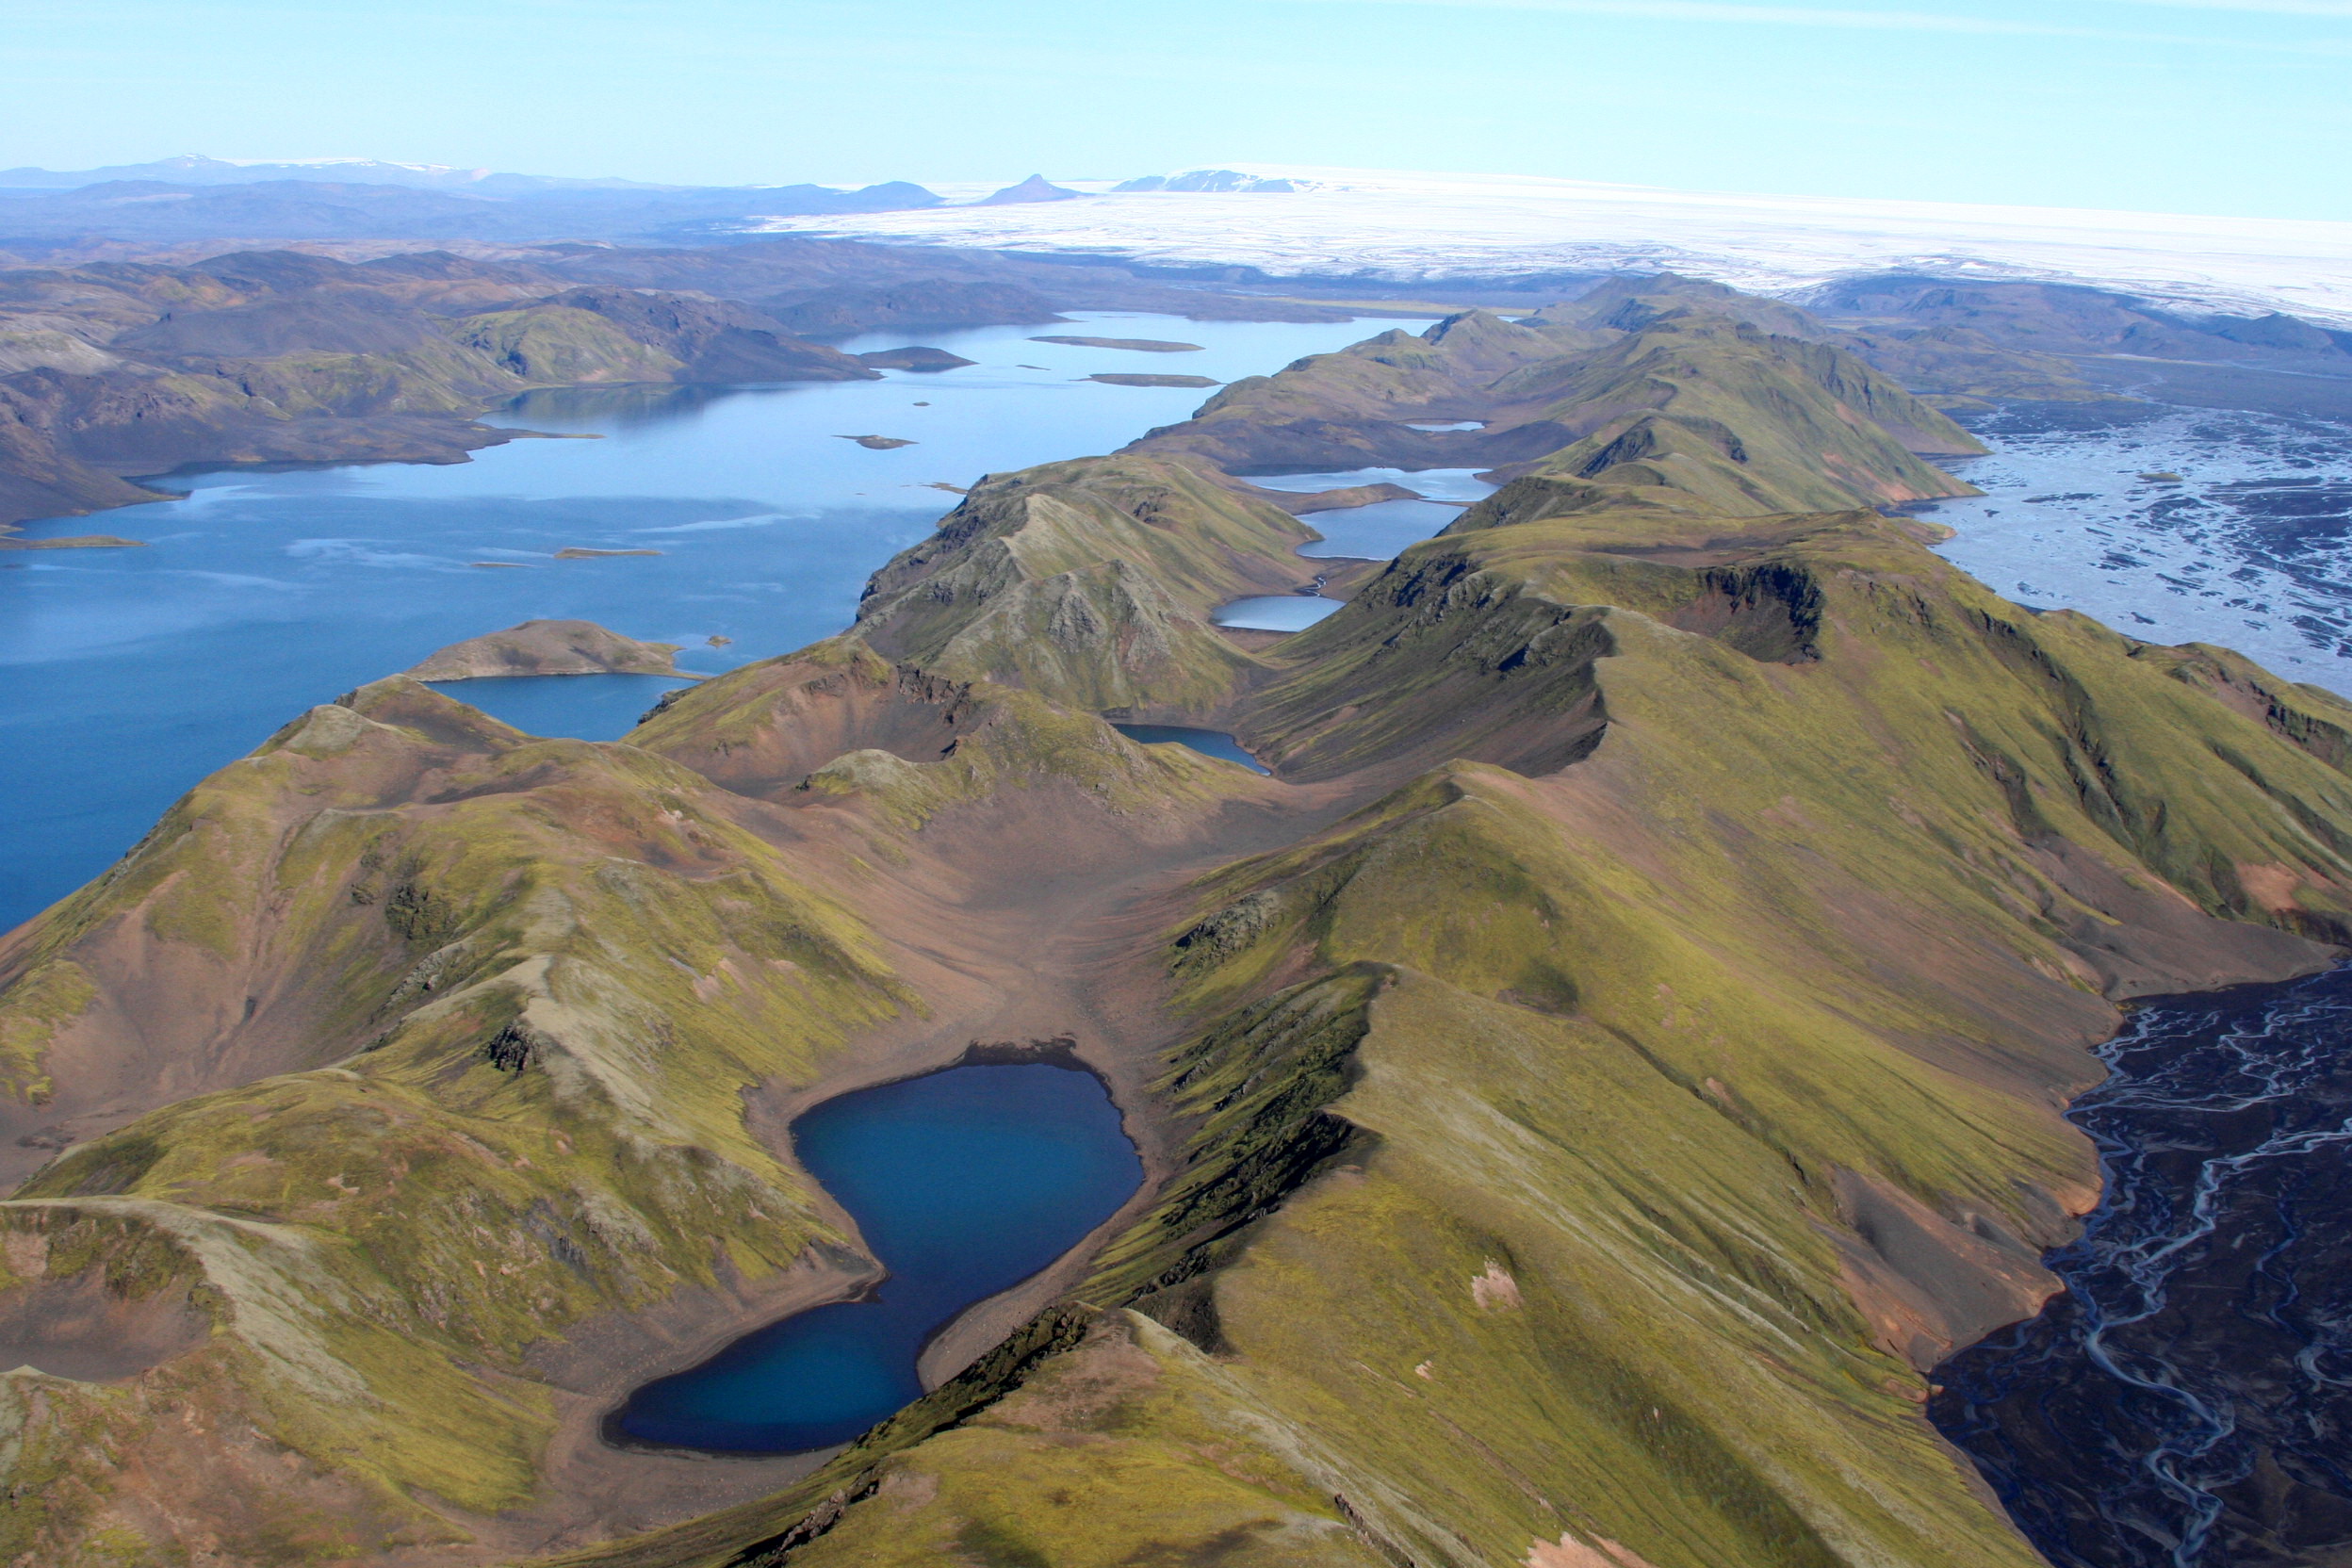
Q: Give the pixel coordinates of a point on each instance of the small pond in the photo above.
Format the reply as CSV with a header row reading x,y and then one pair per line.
x,y
1208,743
1275,613
963,1182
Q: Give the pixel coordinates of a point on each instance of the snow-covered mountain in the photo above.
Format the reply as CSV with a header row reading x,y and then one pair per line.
x,y
1407,227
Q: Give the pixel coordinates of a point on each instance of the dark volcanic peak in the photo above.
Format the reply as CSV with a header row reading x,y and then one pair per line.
x,y
1034,189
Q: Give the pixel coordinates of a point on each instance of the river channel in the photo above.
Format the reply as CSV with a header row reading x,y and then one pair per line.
x,y
2187,1402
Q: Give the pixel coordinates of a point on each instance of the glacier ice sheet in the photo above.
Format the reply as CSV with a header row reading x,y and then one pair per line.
x,y
1404,227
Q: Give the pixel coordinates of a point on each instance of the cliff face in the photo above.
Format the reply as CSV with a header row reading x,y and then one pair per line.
x,y
1617,1051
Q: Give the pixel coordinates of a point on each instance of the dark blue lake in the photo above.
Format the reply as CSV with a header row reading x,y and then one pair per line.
x,y
963,1182
1208,743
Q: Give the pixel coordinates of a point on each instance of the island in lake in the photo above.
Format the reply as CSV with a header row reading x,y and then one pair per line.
x,y
1138,344
548,647
1121,378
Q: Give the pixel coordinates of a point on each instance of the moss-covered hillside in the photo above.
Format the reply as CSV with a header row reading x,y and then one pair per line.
x,y
1602,1152
1616,1054
1680,390
1091,581
443,1035
464,1017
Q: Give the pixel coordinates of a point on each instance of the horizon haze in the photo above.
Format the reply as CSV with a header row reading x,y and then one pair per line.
x,y
2227,107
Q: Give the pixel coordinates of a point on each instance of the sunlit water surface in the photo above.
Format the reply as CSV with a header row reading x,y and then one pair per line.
x,y
131,674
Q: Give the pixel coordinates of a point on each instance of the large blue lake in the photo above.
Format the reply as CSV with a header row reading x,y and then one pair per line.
x,y
132,674
963,1182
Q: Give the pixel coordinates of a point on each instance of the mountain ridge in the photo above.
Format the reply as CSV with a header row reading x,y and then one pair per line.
x,y
1617,1049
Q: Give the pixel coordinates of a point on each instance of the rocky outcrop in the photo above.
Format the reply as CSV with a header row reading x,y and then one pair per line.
x,y
548,647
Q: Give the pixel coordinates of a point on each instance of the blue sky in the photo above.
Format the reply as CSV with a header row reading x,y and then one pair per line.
x,y
2230,106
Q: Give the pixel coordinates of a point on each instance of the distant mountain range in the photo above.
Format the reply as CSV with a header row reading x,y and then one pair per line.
x,y
189,199
198,169
171,201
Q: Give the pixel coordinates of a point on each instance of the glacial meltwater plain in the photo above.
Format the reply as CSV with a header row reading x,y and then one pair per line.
x,y
134,672
2172,525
